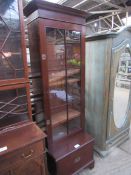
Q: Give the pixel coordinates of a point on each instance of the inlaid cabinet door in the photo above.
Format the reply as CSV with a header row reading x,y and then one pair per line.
x,y
11,53
33,167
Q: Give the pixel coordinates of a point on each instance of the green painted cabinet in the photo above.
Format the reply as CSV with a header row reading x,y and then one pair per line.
x,y
108,84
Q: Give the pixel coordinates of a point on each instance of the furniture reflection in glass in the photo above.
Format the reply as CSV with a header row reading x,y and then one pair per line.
x,y
57,49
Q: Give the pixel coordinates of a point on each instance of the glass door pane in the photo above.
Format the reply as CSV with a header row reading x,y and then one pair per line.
x,y
73,63
11,62
55,49
57,81
73,50
13,106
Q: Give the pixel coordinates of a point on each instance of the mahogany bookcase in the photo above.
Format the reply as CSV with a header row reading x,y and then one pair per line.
x,y
57,49
20,138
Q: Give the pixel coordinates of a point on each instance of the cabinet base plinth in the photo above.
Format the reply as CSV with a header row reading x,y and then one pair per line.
x,y
112,144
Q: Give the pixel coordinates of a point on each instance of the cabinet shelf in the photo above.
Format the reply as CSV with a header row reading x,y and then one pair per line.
x,y
61,117
62,82
60,76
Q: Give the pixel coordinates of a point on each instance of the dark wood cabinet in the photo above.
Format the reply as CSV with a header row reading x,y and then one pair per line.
x,y
57,48
25,154
21,141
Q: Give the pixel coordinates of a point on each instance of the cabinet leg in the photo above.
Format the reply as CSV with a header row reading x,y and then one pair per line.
x,y
91,166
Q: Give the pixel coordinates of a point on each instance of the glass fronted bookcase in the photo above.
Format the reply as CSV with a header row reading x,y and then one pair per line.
x,y
57,51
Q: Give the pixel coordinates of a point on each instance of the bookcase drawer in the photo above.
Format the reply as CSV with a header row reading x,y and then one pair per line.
x,y
78,159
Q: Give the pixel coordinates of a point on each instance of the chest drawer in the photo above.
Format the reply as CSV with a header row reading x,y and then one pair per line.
x,y
22,155
79,158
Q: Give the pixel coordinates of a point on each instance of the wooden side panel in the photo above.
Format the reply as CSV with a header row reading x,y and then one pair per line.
x,y
97,65
34,47
35,77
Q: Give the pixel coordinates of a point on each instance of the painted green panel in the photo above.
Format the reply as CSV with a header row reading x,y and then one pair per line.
x,y
97,64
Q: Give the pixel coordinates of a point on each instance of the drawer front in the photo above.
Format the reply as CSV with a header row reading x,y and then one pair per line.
x,y
35,166
22,155
76,160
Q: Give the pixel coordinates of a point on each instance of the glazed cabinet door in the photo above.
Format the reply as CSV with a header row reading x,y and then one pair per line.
x,y
62,65
11,42
13,105
56,81
73,72
32,167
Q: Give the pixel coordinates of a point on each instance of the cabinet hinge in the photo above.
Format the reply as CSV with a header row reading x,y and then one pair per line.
x,y
77,160
43,56
47,122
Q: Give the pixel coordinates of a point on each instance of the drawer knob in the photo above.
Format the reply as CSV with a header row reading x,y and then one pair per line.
x,y
29,155
77,160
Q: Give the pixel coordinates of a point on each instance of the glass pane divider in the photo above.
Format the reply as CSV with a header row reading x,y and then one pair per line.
x,y
66,82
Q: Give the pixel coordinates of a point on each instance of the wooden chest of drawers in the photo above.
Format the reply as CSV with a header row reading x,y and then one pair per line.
x,y
23,151
72,154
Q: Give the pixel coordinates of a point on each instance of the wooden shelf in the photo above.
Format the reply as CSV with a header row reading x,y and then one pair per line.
x,y
63,82
60,75
61,117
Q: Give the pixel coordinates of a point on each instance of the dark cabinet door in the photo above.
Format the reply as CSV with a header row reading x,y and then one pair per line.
x,y
14,84
73,72
56,81
33,167
63,60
